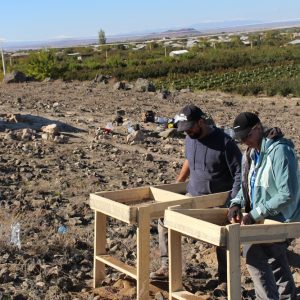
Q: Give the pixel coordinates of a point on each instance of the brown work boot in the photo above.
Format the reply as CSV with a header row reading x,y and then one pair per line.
x,y
161,274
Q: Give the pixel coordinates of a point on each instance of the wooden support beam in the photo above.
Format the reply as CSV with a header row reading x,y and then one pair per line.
x,y
161,195
114,209
202,230
179,188
143,253
233,262
118,265
269,232
216,216
211,200
175,262
128,195
158,208
206,201
99,247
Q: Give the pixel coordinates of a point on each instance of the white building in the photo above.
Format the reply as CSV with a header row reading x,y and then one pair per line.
x,y
191,43
294,42
178,52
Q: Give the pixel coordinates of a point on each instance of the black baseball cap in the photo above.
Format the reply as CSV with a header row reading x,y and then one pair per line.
x,y
243,124
188,116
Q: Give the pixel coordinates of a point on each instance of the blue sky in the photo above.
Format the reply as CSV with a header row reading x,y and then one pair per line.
x,y
36,20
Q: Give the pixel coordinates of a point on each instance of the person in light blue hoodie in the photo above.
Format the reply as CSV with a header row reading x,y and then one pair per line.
x,y
269,190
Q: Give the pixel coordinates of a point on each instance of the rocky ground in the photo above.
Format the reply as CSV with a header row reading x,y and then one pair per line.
x,y
46,175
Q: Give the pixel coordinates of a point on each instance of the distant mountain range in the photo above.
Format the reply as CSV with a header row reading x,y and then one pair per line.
x,y
204,28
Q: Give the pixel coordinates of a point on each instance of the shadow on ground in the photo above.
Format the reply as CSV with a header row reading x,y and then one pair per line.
x,y
36,122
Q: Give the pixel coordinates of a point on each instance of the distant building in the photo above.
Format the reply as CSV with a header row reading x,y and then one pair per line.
x,y
177,45
213,42
244,38
178,52
191,43
74,54
19,54
167,43
224,39
246,43
79,56
294,42
139,47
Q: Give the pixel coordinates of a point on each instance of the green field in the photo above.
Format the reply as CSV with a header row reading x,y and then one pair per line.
x,y
270,66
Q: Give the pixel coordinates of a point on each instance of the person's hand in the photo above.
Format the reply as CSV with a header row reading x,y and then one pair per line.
x,y
234,214
247,220
178,180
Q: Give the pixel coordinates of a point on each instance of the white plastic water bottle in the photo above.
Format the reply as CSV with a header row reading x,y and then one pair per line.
x,y
15,234
129,127
62,229
109,126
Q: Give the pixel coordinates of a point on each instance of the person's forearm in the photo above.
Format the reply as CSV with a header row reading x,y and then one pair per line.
x,y
184,172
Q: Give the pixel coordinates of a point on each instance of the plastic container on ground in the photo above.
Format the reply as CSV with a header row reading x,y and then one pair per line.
x,y
62,229
161,120
15,234
108,127
130,129
129,126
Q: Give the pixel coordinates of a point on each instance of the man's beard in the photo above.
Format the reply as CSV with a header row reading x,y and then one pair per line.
x,y
197,135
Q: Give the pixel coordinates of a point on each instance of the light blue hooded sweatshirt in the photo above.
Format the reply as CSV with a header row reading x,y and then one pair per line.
x,y
276,193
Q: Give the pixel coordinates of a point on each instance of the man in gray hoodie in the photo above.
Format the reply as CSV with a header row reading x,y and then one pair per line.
x,y
212,164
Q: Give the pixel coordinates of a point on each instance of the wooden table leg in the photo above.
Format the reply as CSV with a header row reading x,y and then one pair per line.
x,y
143,253
175,262
233,262
99,247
